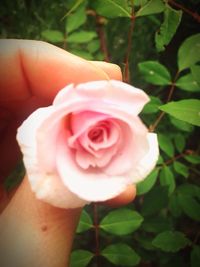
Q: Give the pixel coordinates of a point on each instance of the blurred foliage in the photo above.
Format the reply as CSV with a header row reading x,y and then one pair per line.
x,y
161,227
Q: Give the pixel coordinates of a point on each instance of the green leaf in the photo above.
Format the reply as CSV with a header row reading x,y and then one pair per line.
x,y
152,7
170,241
140,2
81,53
155,73
53,36
15,177
188,53
145,242
167,179
81,37
181,125
181,168
195,70
112,8
172,19
156,224
189,206
174,206
189,190
121,221
188,83
93,46
152,106
166,144
155,200
194,159
146,185
195,256
179,141
121,253
185,110
74,7
75,20
80,258
85,222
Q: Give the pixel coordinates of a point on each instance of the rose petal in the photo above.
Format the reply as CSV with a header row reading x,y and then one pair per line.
x,y
47,186
91,185
131,99
148,162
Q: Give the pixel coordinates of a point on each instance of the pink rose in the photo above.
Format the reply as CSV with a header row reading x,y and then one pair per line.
x,y
89,145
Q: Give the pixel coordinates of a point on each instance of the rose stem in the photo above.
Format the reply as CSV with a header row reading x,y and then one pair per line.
x,y
161,115
129,46
96,229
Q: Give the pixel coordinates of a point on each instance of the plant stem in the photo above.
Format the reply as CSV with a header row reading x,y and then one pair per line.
x,y
102,38
160,116
96,229
195,15
129,46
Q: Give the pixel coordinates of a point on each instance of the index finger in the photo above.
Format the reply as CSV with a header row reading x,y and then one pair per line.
x,y
37,68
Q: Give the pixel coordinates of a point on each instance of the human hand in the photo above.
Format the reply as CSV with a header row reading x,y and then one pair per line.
x,y
32,72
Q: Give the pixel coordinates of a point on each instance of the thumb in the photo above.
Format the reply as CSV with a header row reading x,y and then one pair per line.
x,y
34,233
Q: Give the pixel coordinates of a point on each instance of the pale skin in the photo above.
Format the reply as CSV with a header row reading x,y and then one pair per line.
x,y
34,233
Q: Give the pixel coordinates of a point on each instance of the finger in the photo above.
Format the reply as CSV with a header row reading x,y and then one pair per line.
x,y
112,70
38,68
124,198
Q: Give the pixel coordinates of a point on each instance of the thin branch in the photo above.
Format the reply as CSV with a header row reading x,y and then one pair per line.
x,y
96,229
195,15
102,38
129,46
161,115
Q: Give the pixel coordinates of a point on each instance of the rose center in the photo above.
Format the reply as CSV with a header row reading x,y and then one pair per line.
x,y
96,135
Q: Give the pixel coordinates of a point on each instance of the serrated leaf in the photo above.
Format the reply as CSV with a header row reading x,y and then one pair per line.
x,y
151,7
121,253
195,70
188,53
181,168
188,83
194,159
112,8
85,222
179,141
80,258
155,200
121,221
185,110
81,37
75,20
166,144
189,190
152,106
170,241
146,185
167,179
189,206
155,73
181,125
172,19
195,256
156,224
53,36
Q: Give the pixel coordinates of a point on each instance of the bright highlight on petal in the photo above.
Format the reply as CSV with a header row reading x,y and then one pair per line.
x,y
89,145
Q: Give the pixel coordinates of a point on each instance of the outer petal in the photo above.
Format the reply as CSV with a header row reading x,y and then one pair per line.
x,y
148,162
91,185
46,185
131,99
